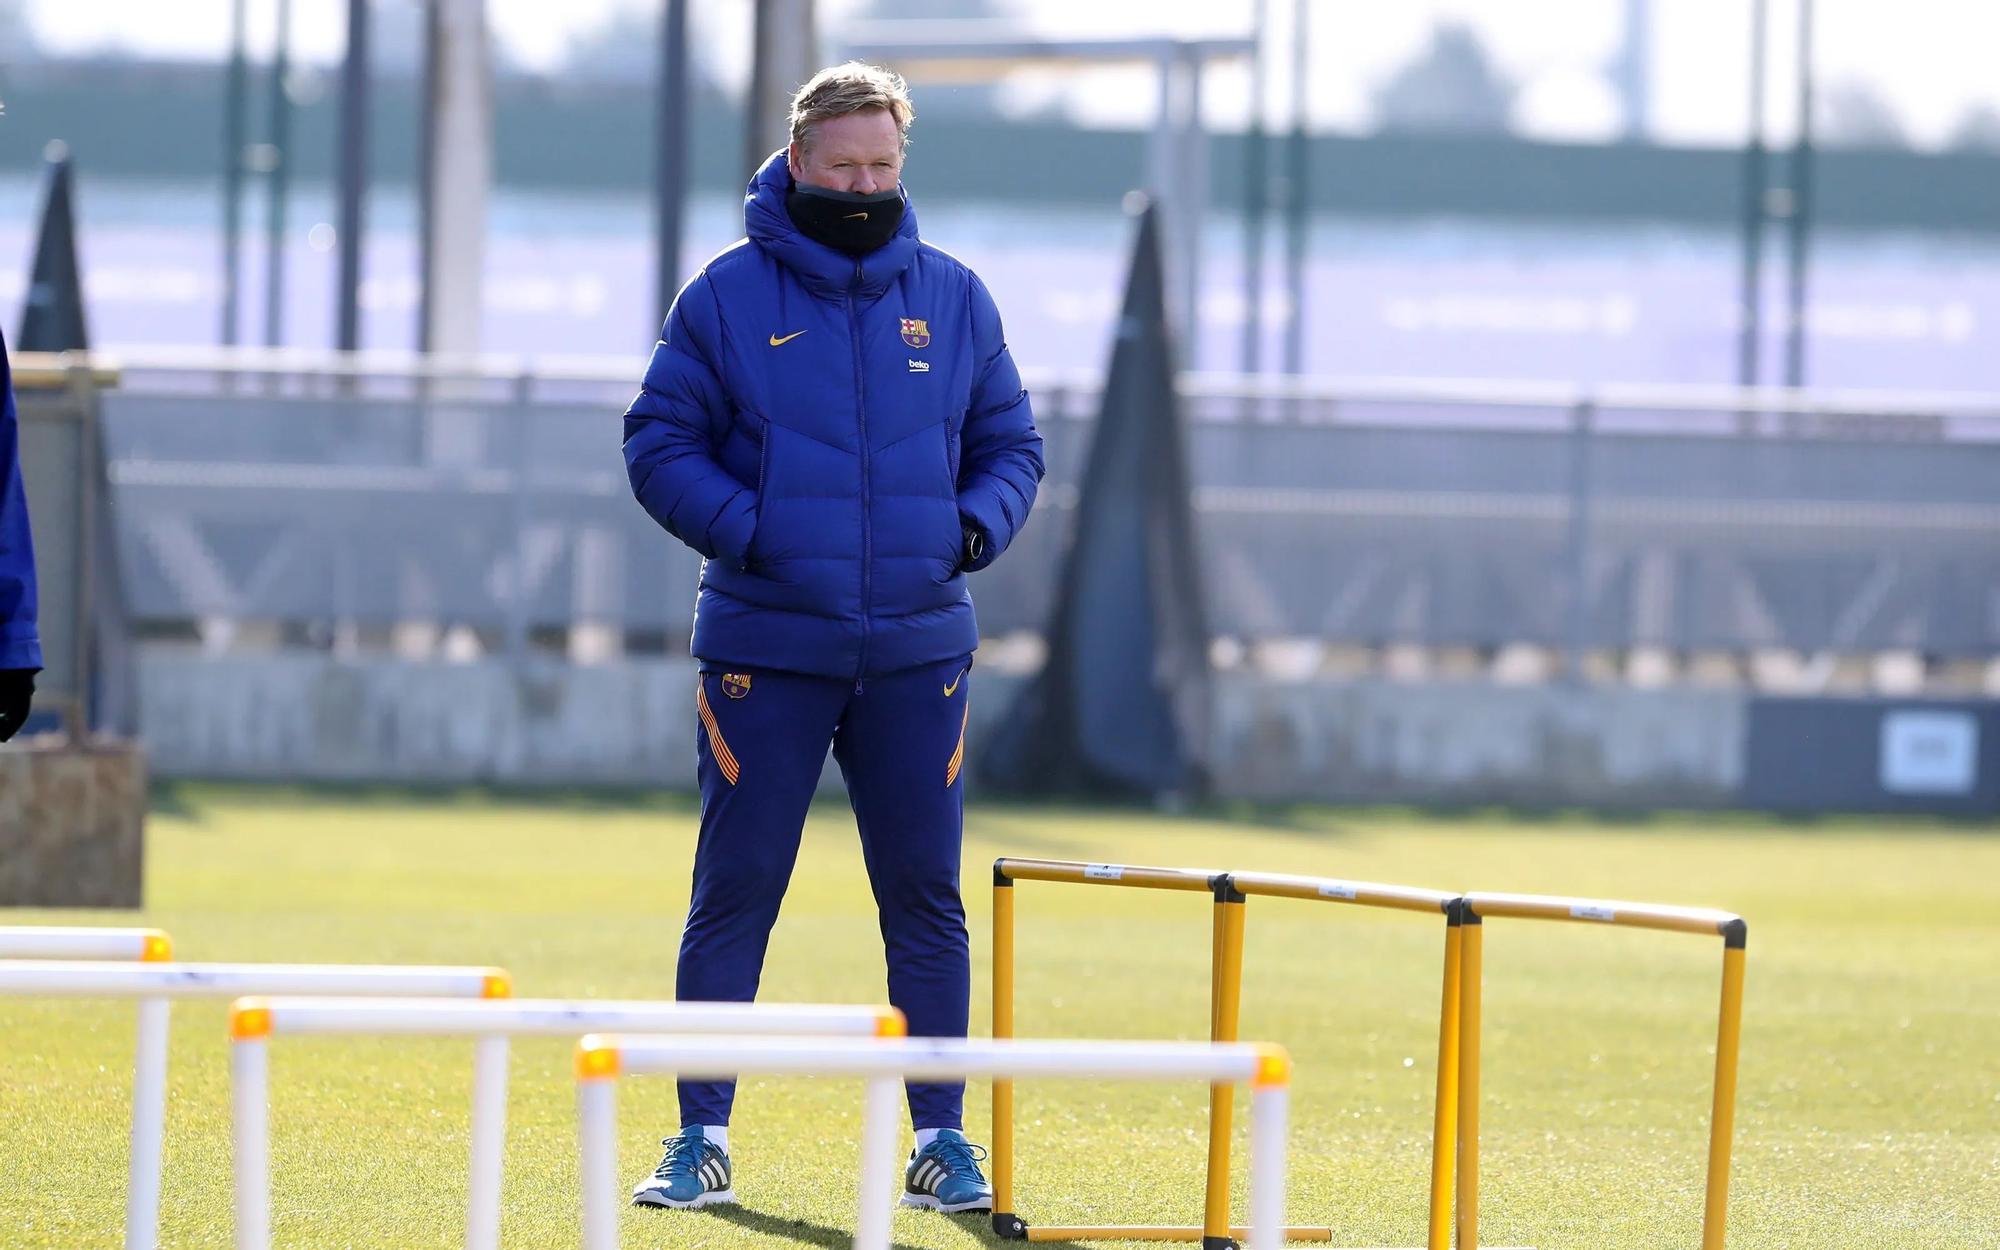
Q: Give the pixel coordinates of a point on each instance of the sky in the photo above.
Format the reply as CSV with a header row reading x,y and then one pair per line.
x,y
1931,60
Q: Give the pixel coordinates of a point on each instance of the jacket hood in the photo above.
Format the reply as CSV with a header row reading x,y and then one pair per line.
x,y
824,271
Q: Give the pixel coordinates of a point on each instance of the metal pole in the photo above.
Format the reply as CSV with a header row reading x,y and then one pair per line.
x,y
596,1130
784,48
1166,176
427,158
249,1080
459,176
1194,146
674,101
234,107
1582,421
1722,1119
515,620
1444,1126
1255,194
1756,180
758,131
276,182
1295,197
1472,940
1633,70
90,457
353,173
1270,1110
1802,187
489,1132
1004,1220
149,1115
1161,155
1225,1010
878,1184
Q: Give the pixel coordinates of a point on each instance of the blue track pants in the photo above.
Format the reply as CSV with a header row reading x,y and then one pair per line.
x,y
899,740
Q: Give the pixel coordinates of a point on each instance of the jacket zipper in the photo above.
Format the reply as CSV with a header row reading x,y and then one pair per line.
x,y
763,472
867,504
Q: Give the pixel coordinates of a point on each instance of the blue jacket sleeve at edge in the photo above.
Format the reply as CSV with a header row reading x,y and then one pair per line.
x,y
20,647
1001,460
674,429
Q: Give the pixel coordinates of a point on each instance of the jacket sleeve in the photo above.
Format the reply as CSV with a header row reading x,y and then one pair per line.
x,y
20,646
674,429
1001,461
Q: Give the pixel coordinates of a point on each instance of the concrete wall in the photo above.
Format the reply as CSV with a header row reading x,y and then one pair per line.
x,y
309,718
301,717
1452,743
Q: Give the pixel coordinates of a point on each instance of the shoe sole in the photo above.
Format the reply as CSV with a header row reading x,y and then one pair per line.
x,y
928,1203
652,1198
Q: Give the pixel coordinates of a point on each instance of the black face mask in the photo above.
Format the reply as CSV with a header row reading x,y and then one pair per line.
x,y
843,220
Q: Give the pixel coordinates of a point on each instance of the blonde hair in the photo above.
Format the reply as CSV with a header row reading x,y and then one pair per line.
x,y
851,88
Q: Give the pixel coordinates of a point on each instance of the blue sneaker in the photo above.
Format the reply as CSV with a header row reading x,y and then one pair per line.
x,y
693,1173
945,1176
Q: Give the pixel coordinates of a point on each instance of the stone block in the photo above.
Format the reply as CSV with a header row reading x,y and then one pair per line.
x,y
72,823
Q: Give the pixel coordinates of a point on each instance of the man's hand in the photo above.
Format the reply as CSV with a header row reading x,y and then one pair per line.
x,y
17,693
972,544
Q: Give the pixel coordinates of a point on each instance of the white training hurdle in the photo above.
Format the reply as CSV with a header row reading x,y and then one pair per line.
x,y
156,985
254,1021
600,1061
32,941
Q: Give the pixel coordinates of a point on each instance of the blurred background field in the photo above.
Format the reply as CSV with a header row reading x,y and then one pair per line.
x,y
1588,406
1870,1105
1591,402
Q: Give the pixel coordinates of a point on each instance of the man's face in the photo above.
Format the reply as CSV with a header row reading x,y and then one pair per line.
x,y
861,153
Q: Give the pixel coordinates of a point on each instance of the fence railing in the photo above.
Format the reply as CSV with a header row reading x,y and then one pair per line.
x,y
329,496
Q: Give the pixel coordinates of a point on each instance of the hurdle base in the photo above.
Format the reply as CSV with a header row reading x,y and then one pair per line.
x,y
1009,1227
1145,1232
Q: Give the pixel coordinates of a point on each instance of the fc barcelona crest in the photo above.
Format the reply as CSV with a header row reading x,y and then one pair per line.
x,y
736,685
916,333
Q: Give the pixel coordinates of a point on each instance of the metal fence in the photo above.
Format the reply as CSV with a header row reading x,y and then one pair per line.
x,y
80,612
314,491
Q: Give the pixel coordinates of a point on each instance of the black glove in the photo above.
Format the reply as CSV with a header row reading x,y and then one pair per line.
x,y
973,544
17,692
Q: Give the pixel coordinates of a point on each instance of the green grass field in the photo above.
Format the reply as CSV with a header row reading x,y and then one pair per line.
x,y
1869,1116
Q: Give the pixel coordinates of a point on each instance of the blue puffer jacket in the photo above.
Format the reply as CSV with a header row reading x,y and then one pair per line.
x,y
19,645
817,426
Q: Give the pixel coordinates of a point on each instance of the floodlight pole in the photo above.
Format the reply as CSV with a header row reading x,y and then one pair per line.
x,y
1756,180
457,175
1179,178
784,50
277,181
674,101
1802,205
234,106
353,174
1295,197
1254,197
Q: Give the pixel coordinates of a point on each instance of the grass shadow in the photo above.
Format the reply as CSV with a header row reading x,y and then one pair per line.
x,y
978,1224
804,1232
174,799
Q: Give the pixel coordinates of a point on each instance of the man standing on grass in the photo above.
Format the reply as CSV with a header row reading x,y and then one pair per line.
x,y
20,647
832,419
